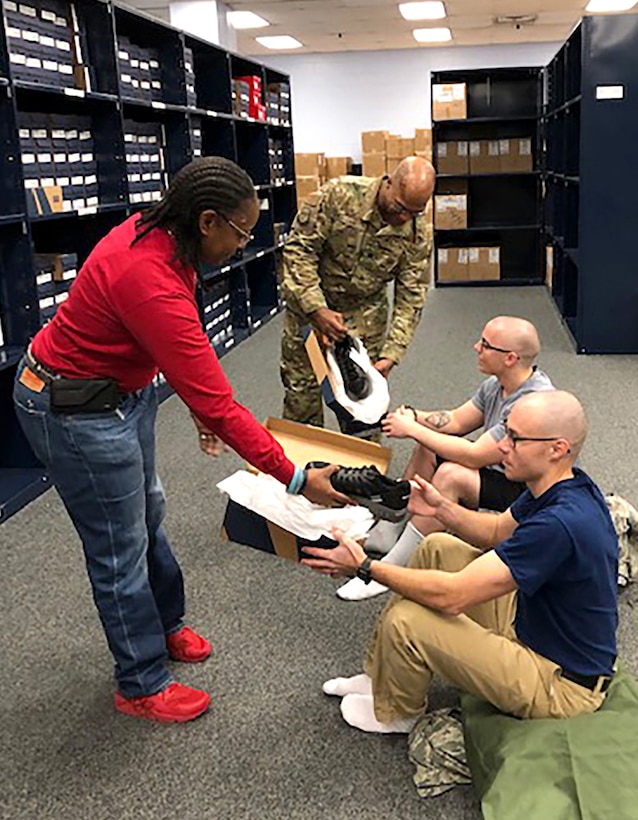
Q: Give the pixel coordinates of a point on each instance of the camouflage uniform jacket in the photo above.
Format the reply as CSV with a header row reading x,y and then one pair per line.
x,y
341,255
625,518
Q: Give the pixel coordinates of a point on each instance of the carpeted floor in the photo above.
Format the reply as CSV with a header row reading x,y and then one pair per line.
x,y
272,746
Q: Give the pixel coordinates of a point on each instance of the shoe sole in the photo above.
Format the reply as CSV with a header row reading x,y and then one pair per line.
x,y
125,708
190,660
380,510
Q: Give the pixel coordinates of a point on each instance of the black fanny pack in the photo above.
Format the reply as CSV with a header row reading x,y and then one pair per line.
x,y
69,396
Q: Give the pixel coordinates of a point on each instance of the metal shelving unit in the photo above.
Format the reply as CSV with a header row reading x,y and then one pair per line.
x,y
124,74
504,209
591,213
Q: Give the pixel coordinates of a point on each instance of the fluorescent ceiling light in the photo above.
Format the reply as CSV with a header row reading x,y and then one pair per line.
x,y
433,10
610,5
281,41
432,35
245,19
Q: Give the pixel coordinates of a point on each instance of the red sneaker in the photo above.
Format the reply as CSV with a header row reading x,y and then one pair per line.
x,y
187,646
175,704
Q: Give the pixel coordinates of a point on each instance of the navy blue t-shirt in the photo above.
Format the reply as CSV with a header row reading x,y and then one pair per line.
x,y
564,558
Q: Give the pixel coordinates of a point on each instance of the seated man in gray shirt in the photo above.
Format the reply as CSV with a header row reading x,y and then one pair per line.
x,y
466,472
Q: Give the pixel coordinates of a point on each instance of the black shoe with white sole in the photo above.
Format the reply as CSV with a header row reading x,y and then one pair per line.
x,y
386,498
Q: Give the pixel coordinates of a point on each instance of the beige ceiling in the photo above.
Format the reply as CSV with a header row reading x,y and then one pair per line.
x,y
355,25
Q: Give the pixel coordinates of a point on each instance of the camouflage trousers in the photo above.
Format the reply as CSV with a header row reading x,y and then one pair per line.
x,y
477,652
302,394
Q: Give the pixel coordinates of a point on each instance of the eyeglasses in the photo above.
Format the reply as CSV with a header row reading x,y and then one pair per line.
x,y
244,235
515,438
399,208
485,345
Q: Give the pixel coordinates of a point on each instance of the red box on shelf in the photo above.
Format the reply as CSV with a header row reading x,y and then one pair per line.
x,y
257,111
254,83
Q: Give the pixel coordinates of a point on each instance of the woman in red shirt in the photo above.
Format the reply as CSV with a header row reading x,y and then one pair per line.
x,y
85,399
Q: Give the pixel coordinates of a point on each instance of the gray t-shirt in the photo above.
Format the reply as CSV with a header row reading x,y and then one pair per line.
x,y
496,408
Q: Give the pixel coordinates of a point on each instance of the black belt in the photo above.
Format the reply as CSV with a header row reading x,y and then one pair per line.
x,y
588,681
48,376
39,369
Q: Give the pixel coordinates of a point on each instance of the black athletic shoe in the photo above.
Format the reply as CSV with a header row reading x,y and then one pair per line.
x,y
385,497
355,381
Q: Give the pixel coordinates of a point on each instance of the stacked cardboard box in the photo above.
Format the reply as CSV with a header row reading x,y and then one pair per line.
x,y
310,170
373,150
449,101
383,151
452,157
247,97
59,164
501,156
469,264
516,155
450,212
45,47
278,103
54,275
338,166
423,143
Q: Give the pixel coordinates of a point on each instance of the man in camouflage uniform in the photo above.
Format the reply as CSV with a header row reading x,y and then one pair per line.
x,y
344,248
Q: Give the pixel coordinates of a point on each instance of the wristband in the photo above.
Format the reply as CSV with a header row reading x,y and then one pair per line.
x,y
409,407
297,482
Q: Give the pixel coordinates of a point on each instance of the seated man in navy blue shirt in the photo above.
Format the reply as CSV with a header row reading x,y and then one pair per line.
x,y
526,618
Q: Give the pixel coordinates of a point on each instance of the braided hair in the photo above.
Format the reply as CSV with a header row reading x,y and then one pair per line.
x,y
213,183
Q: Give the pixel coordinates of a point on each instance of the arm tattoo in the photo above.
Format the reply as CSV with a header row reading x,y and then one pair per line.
x,y
438,420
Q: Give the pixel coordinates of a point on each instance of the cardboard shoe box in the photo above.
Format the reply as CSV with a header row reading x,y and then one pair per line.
x,y
306,186
399,147
347,424
301,443
374,164
310,165
484,157
449,101
452,265
484,264
338,166
452,158
423,140
373,142
450,212
516,156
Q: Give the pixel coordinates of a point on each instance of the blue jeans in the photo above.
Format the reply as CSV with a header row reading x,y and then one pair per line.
x,y
103,467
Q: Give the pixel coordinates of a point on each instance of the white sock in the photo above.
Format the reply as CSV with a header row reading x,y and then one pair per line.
x,y
407,544
356,685
356,590
358,711
384,535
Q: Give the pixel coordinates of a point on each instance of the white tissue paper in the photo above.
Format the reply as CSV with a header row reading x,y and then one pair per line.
x,y
266,496
370,409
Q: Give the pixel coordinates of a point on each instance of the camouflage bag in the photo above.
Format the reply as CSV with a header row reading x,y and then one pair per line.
x,y
625,519
437,748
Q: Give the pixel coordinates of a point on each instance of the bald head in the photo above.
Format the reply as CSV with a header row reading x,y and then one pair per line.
x,y
517,335
414,179
551,413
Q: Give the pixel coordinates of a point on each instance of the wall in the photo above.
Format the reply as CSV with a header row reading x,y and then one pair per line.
x,y
205,19
336,96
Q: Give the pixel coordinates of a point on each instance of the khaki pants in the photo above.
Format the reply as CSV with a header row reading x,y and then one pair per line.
x,y
477,651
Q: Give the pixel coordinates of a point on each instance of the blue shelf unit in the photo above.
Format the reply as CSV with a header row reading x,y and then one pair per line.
x,y
99,107
591,212
505,210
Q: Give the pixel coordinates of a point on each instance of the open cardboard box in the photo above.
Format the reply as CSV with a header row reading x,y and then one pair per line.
x,y
302,443
347,423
